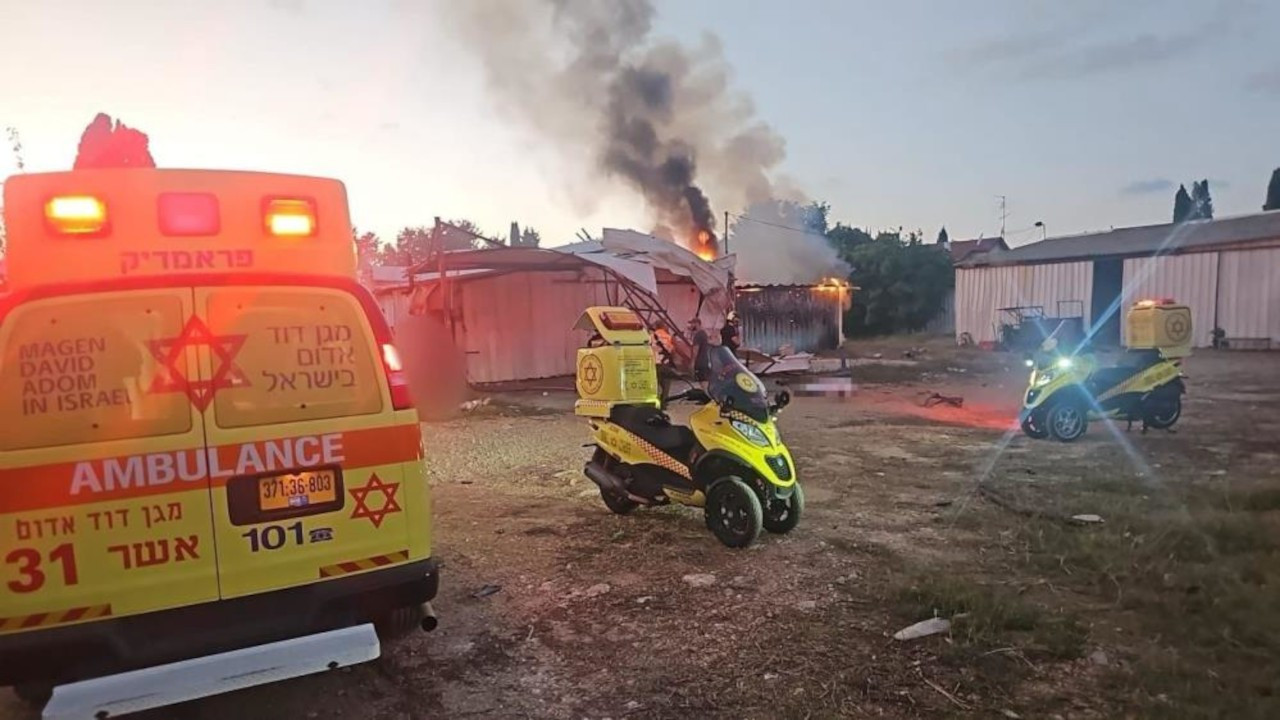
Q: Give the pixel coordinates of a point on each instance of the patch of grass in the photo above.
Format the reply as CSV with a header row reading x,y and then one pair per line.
x,y
1201,588
985,617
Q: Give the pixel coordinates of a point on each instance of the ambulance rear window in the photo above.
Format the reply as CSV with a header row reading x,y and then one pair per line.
x,y
90,368
299,354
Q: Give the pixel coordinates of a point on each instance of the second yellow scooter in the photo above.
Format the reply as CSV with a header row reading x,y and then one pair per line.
x,y
730,459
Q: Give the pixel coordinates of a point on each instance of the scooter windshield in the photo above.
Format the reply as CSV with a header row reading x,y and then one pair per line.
x,y
730,383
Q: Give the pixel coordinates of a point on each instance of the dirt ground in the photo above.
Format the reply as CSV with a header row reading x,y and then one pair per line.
x,y
1169,607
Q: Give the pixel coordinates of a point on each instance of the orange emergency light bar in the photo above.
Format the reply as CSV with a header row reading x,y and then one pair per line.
x,y
147,222
76,215
290,218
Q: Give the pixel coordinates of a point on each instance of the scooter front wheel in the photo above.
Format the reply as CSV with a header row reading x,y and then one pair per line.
x,y
1033,426
734,513
1067,420
781,515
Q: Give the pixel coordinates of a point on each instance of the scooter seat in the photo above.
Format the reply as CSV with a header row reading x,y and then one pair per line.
x,y
652,425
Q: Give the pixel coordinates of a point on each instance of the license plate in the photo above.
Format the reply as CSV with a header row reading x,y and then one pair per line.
x,y
287,492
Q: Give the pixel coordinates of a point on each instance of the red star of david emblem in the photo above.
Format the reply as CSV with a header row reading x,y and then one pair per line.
x,y
171,375
389,504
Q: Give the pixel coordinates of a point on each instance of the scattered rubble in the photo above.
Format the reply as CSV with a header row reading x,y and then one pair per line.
x,y
1087,519
700,579
924,628
486,591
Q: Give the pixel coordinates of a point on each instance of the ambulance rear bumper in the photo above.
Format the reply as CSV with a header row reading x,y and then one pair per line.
x,y
78,652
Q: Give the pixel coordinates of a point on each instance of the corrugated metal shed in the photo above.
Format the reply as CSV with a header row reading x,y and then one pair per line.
x,y
1062,289
1194,236
1249,295
1191,280
516,326
805,317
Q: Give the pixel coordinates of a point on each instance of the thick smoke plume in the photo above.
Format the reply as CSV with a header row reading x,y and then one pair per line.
x,y
783,242
657,116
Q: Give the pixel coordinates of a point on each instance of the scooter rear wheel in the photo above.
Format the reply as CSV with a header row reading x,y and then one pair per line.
x,y
616,503
1164,412
734,513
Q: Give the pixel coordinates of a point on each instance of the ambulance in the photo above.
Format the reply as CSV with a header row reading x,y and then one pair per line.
x,y
211,470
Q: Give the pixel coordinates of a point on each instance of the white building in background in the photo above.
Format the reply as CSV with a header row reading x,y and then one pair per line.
x,y
1226,270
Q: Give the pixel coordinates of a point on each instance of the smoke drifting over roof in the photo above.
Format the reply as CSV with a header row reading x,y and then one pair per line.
x,y
660,117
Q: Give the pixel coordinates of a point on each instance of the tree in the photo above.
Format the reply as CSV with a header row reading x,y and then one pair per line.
x,y
845,238
368,253
1273,192
903,283
1201,202
513,238
943,237
105,144
530,238
814,217
1182,208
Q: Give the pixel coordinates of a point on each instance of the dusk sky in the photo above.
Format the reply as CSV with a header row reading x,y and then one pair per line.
x,y
1086,114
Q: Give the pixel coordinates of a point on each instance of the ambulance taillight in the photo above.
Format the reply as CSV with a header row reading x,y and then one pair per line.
x,y
82,215
397,380
290,217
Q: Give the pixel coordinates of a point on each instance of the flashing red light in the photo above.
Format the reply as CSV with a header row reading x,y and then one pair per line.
x,y
188,214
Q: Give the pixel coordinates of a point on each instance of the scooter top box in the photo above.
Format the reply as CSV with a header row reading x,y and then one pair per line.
x,y
617,366
1159,325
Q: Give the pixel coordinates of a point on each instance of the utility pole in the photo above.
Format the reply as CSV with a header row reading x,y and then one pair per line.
x,y
726,232
1004,212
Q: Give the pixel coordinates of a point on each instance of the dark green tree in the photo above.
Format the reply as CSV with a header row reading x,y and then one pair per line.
x,y
943,237
1182,207
845,238
814,217
903,282
1201,201
1273,192
530,238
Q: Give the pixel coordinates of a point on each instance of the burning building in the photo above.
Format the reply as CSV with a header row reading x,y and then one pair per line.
x,y
806,318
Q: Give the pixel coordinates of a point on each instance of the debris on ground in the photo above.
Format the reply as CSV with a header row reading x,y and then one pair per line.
x,y
1087,519
939,399
470,405
486,591
1099,658
597,590
923,629
700,579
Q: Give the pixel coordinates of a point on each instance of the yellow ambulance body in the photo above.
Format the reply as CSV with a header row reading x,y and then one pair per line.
x,y
207,441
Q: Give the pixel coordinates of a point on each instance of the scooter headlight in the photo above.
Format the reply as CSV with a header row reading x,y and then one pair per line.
x,y
1065,363
751,433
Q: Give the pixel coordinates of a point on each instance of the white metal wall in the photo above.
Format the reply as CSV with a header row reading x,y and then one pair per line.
x,y
517,326
1057,287
1191,280
1249,296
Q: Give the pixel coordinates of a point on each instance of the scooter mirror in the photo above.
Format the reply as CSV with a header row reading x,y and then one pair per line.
x,y
781,400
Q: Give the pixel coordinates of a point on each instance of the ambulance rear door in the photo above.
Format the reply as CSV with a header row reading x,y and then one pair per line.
x,y
104,491
308,470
